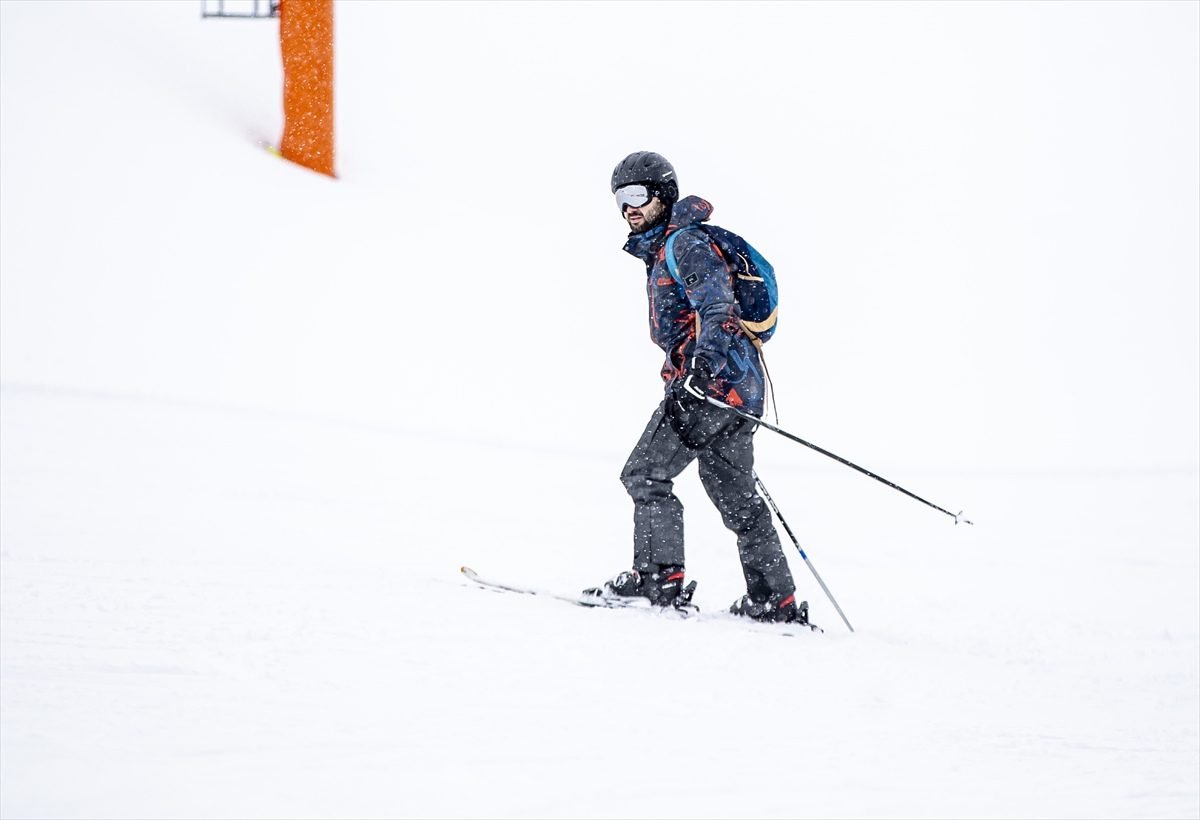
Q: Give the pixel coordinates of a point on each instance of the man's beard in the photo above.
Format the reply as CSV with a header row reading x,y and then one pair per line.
x,y
651,224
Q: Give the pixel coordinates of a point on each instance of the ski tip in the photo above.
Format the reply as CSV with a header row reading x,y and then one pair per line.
x,y
271,149
467,571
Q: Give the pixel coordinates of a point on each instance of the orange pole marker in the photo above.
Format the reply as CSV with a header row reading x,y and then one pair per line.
x,y
306,40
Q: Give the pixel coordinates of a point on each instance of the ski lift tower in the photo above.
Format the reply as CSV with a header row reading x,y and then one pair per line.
x,y
306,43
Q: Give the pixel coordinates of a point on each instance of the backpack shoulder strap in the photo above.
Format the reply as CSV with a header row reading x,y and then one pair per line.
x,y
669,254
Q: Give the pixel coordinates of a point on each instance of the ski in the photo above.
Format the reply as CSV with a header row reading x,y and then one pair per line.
x,y
784,630
588,601
597,602
472,575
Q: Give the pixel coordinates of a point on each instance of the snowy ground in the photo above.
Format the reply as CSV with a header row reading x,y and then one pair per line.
x,y
213,612
244,456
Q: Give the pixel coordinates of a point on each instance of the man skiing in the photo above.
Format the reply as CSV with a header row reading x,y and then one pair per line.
x,y
696,320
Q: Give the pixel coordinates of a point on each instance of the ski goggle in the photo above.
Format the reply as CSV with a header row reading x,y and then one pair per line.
x,y
632,196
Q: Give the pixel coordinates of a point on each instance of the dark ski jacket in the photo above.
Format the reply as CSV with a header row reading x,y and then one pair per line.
x,y
701,316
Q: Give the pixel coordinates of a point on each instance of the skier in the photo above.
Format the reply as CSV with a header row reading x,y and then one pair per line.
x,y
696,321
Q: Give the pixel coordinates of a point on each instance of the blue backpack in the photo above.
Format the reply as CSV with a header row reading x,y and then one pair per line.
x,y
753,284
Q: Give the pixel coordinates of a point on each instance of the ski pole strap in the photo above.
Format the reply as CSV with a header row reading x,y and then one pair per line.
x,y
957,517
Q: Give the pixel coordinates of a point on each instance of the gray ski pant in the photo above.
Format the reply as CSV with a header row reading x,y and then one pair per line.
x,y
726,462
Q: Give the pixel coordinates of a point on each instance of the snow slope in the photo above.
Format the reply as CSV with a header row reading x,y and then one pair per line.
x,y
243,451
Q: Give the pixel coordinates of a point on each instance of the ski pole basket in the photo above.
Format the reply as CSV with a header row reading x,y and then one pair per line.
x,y
239,8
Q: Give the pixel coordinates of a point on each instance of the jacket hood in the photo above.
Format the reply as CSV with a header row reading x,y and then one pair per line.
x,y
689,211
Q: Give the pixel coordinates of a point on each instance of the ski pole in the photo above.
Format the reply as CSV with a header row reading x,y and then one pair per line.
x,y
836,457
792,535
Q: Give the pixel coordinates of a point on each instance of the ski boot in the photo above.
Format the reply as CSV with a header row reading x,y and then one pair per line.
x,y
776,609
661,588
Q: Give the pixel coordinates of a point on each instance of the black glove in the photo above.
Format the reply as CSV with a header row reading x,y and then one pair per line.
x,y
687,410
696,385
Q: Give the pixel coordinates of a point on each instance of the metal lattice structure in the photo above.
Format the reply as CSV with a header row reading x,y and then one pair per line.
x,y
239,8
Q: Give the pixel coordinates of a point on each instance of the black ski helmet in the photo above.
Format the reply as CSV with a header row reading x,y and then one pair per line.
x,y
650,169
